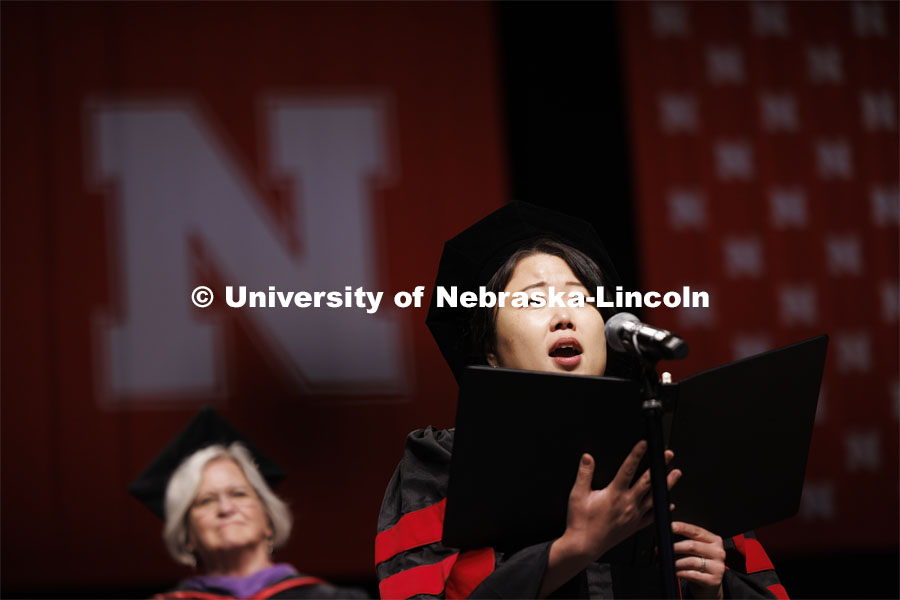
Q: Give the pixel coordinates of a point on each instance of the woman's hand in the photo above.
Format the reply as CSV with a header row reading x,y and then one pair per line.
x,y
597,520
702,561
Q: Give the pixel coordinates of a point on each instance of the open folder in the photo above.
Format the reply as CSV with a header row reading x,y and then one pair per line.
x,y
740,432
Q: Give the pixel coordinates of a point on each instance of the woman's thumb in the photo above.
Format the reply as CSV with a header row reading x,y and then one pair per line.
x,y
584,476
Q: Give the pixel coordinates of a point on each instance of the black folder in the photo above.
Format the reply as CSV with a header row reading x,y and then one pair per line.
x,y
741,434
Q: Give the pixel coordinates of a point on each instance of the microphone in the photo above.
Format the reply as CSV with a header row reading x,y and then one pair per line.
x,y
624,333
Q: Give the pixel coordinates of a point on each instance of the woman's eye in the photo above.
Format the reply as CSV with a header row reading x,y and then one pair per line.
x,y
204,501
239,493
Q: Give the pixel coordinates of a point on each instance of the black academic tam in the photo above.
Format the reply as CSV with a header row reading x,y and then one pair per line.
x,y
206,428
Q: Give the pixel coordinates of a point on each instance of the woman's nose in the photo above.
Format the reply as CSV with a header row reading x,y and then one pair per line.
x,y
562,320
226,505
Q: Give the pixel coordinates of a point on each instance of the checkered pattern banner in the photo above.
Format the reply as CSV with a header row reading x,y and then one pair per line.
x,y
766,161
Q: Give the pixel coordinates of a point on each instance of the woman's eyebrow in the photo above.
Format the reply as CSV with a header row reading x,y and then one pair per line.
x,y
543,283
534,285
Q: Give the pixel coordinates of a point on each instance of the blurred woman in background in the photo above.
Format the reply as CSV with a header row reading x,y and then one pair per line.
x,y
223,519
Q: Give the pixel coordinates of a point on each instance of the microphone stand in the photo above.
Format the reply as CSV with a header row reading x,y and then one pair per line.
x,y
652,409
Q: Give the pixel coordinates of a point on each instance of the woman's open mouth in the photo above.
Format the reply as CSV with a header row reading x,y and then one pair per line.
x,y
566,352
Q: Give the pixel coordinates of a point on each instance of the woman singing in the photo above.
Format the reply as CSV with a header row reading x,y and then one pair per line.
x,y
518,248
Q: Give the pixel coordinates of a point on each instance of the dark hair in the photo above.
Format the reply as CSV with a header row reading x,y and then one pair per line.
x,y
484,320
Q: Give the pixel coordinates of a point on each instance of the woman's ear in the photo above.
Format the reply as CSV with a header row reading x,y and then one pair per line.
x,y
492,359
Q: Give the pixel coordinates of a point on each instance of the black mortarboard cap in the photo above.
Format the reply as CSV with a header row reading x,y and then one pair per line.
x,y
471,258
205,429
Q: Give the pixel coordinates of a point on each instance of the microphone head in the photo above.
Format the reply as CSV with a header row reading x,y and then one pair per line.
x,y
674,347
614,329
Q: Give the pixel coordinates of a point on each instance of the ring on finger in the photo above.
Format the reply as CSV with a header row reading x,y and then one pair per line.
x,y
703,565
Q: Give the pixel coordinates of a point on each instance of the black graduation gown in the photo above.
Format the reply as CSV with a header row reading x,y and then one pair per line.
x,y
294,586
411,561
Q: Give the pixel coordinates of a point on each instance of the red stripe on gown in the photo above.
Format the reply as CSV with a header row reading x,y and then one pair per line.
x,y
779,591
755,558
457,575
418,528
424,579
470,570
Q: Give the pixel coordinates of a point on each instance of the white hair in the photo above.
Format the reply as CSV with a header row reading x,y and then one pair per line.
x,y
182,491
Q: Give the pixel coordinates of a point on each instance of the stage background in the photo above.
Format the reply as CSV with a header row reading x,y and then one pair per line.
x,y
766,161
150,148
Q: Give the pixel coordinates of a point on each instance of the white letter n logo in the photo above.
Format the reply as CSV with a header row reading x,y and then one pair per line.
x,y
170,179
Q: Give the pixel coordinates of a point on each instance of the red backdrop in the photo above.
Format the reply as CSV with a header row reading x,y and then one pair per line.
x,y
71,443
766,161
